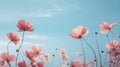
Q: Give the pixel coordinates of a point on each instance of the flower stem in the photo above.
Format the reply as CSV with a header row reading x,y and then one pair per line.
x,y
20,47
93,51
83,53
99,52
8,46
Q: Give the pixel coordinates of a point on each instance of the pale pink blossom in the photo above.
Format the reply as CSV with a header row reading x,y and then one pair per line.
x,y
105,27
113,44
79,32
13,37
24,26
7,57
37,50
22,64
31,56
75,63
40,64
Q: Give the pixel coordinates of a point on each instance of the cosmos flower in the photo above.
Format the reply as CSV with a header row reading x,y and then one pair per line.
x,y
78,63
30,55
22,64
37,50
13,37
24,26
113,44
79,32
105,27
75,63
7,57
40,64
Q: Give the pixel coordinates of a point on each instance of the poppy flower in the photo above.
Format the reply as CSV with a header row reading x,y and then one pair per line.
x,y
7,57
13,37
105,27
79,32
63,54
24,26
22,64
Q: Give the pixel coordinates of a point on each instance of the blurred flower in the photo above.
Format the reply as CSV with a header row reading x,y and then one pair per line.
x,y
78,63
30,55
37,50
25,26
105,27
13,37
40,64
75,63
7,57
63,54
22,64
113,45
79,32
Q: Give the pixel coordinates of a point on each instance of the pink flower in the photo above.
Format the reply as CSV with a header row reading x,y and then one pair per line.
x,y
105,27
113,44
75,63
40,64
25,26
30,55
13,37
23,64
37,50
83,64
7,57
47,57
63,54
79,32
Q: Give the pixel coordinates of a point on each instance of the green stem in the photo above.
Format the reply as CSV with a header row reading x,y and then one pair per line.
x,y
92,50
83,53
99,52
20,47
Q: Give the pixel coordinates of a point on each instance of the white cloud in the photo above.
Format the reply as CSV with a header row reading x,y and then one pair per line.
x,y
4,43
36,37
31,44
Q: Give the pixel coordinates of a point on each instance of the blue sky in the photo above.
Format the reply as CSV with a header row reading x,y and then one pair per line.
x,y
53,21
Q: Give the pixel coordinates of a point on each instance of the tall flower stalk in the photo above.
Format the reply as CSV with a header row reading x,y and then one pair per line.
x,y
84,55
18,50
99,52
93,52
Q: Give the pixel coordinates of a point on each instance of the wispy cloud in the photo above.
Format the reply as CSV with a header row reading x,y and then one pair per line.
x,y
36,37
